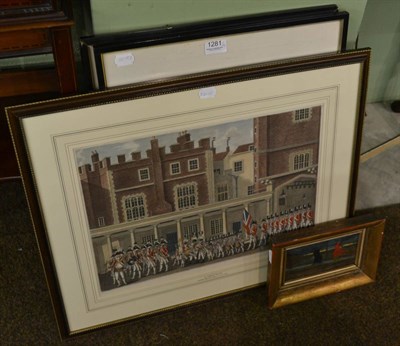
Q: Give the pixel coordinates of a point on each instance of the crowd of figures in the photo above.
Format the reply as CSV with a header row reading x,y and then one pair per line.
x,y
289,220
137,261
153,258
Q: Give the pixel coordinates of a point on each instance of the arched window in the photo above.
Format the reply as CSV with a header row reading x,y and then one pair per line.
x,y
301,160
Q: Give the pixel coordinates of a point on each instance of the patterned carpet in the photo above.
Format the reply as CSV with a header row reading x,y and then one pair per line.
x,y
368,315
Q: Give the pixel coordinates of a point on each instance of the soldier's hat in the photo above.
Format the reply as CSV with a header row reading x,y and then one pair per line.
x,y
156,243
148,244
136,246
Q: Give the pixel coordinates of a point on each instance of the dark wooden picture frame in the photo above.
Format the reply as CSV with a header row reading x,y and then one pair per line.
x,y
48,135
101,52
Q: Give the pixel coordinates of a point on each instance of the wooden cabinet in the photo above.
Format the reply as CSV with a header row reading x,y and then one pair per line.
x,y
30,28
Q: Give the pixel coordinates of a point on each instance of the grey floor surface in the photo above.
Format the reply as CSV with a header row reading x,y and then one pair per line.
x,y
379,177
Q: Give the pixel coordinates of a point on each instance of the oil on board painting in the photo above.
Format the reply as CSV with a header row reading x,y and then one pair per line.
x,y
321,257
175,201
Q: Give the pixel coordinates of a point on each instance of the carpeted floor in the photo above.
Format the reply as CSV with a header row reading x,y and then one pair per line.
x,y
368,315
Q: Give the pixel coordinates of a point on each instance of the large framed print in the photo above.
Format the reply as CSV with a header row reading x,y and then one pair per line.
x,y
324,259
175,50
156,196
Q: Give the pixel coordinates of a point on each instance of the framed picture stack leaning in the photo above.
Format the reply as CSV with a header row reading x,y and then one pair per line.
x,y
165,194
118,59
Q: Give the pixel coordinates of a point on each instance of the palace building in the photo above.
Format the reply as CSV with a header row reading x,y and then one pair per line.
x,y
286,153
190,190
148,186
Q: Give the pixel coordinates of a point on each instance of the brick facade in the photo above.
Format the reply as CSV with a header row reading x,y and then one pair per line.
x,y
278,138
105,185
158,176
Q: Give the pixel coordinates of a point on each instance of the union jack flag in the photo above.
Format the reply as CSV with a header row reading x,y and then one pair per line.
x,y
247,219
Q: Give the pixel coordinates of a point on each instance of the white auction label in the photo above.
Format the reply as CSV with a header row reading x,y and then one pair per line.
x,y
215,46
125,59
208,93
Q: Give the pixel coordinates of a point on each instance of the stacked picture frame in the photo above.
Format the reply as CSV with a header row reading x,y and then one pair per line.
x,y
166,193
114,60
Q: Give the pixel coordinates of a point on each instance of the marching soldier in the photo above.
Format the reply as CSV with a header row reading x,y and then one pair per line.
x,y
264,232
253,235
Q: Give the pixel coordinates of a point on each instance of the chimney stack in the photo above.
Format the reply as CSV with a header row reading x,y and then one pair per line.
x,y
121,158
136,155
